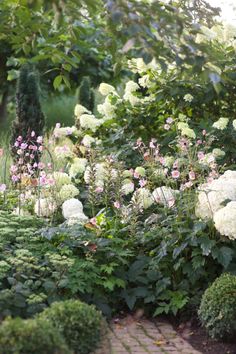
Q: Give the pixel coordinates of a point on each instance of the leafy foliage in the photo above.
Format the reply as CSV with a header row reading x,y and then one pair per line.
x,y
80,324
217,310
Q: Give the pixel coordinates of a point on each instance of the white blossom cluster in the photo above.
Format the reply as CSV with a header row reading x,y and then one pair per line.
x,y
217,201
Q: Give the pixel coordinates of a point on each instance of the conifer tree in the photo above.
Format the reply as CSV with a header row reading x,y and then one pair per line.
x,y
86,94
29,116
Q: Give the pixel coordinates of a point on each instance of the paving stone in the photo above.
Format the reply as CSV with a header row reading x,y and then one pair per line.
x,y
146,337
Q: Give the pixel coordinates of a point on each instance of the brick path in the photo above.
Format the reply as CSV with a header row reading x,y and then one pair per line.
x,y
129,336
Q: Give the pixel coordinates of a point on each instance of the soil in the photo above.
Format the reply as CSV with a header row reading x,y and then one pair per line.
x,y
199,339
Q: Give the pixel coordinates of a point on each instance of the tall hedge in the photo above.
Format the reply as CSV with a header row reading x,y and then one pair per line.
x,y
29,116
86,94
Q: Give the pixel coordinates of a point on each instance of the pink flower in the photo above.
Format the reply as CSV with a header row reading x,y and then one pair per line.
x,y
15,178
188,184
19,138
152,145
175,174
93,221
199,142
204,132
19,152
169,120
3,187
167,127
41,165
39,139
142,183
23,146
32,156
69,131
171,202
16,144
200,155
176,164
99,190
192,175
41,148
58,125
162,160
32,133
117,205
13,169
136,175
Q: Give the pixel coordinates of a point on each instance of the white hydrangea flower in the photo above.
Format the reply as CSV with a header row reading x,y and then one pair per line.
x,y
188,97
133,100
65,131
45,207
79,110
78,166
234,124
218,153
212,195
89,121
221,124
106,89
144,198
137,65
145,81
88,140
225,220
107,109
72,211
128,187
131,87
61,178
182,125
140,170
68,191
228,175
63,152
164,195
188,132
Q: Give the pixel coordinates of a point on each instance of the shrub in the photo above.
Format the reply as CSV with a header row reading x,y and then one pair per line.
x,y
19,336
79,323
29,115
86,94
217,311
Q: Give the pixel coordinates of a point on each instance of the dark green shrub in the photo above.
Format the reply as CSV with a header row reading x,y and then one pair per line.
x,y
86,94
79,323
33,336
217,311
29,116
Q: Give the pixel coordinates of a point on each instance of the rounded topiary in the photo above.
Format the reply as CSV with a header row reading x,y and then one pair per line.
x,y
79,323
33,336
217,311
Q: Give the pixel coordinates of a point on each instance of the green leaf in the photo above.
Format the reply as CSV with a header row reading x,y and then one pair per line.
x,y
224,256
57,81
206,245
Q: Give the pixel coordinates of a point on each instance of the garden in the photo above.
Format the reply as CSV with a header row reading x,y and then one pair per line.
x,y
118,173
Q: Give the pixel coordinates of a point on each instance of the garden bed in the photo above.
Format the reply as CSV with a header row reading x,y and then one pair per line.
x,y
199,339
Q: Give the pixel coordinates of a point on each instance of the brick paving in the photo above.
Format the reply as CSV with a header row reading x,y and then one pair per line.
x,y
130,336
